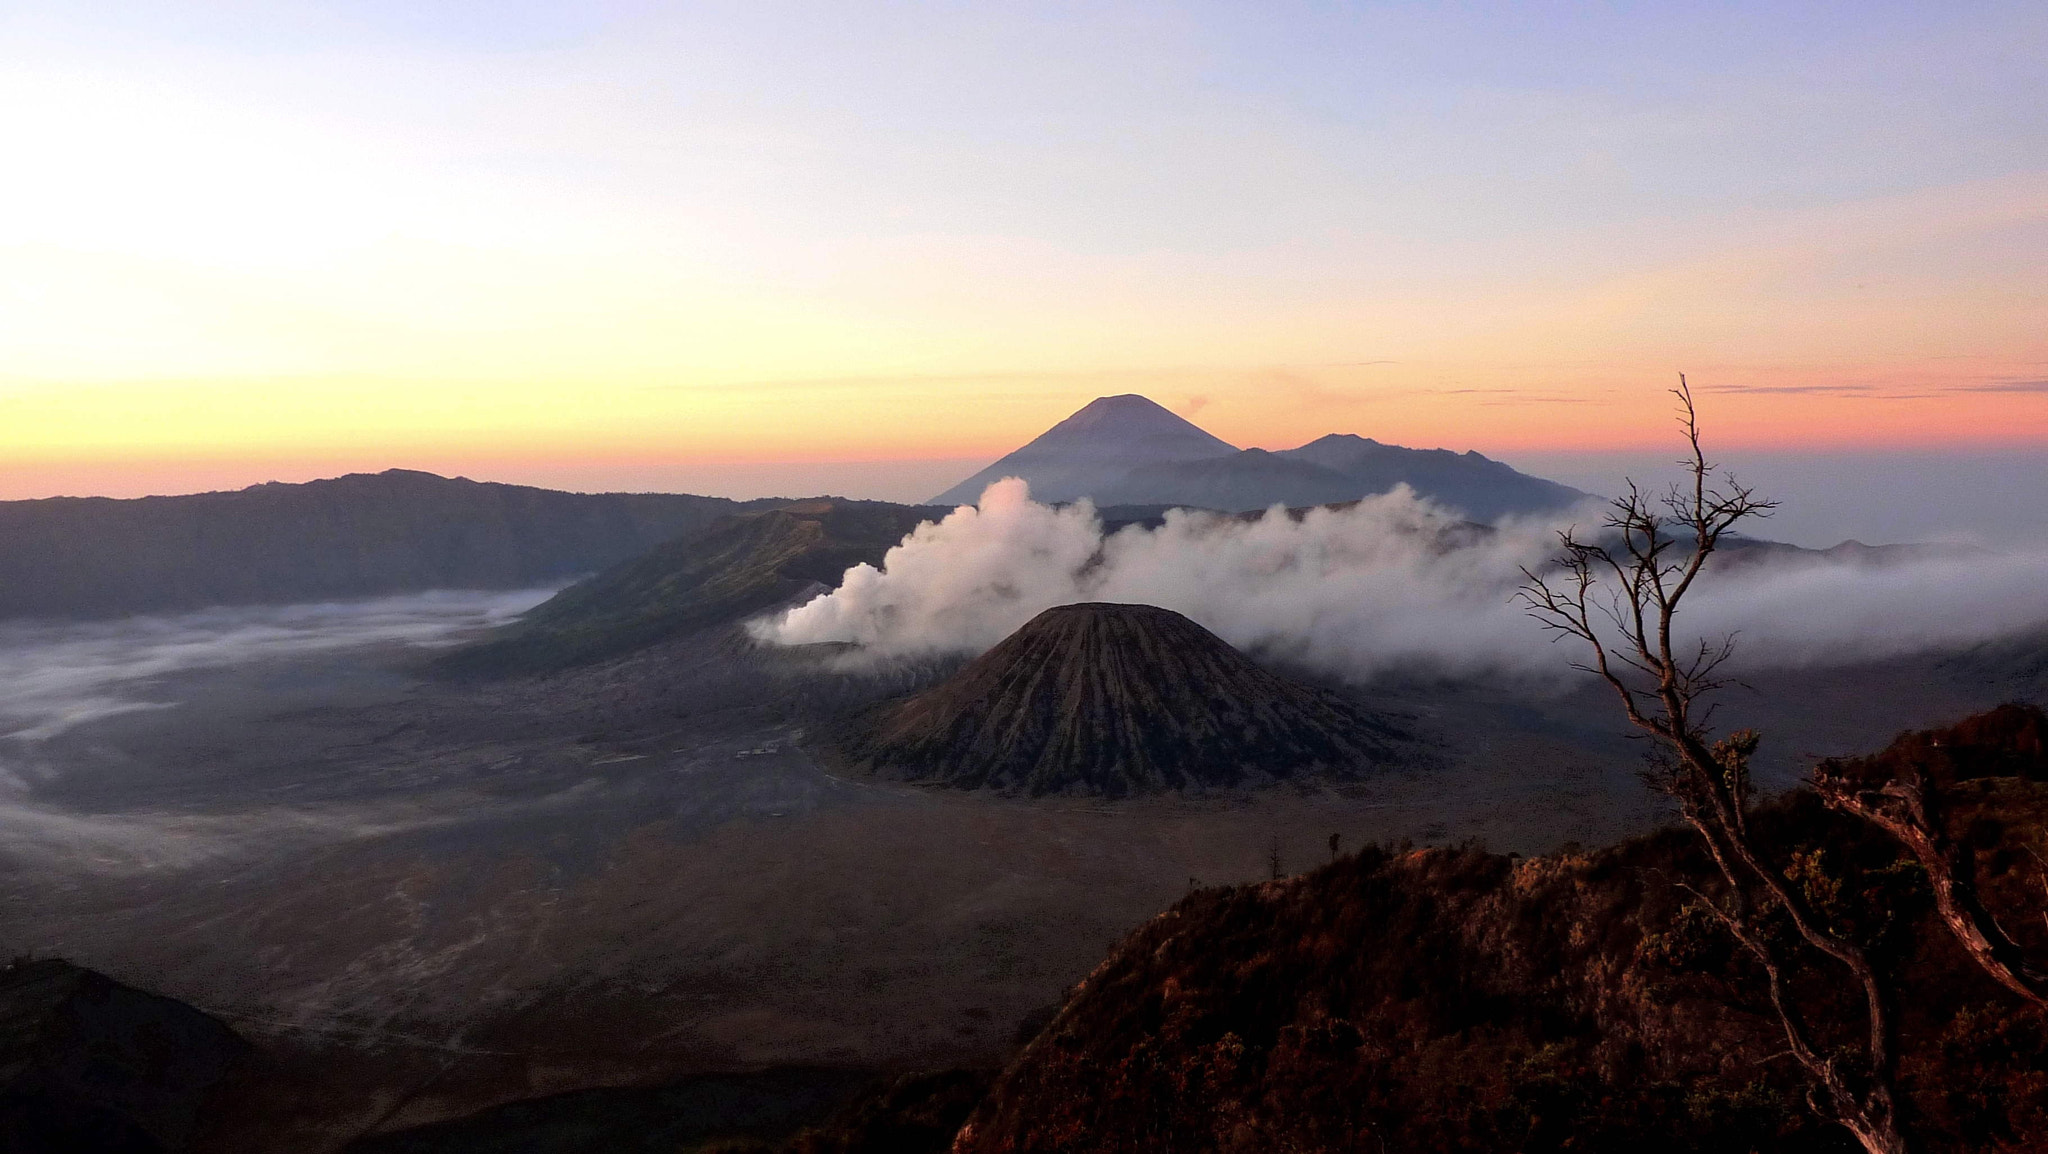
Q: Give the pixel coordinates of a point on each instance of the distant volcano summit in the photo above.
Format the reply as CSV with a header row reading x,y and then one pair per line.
x,y
1129,451
1092,449
1114,700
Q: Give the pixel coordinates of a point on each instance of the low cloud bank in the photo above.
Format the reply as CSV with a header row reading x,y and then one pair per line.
x,y
55,676
1393,583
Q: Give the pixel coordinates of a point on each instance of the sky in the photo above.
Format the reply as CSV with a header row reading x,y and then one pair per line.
x,y
867,247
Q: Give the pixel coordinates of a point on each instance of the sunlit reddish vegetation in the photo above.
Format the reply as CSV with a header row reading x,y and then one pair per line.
x,y
1453,999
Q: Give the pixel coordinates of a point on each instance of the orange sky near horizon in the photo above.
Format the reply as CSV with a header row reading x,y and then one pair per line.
x,y
574,245
1914,321
136,440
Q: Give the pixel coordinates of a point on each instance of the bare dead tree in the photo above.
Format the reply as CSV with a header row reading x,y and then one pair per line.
x,y
1908,807
1617,595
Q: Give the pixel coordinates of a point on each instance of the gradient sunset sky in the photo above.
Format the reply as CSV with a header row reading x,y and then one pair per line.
x,y
711,246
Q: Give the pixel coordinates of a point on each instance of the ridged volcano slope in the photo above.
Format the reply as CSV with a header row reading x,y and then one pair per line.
x,y
1114,700
738,567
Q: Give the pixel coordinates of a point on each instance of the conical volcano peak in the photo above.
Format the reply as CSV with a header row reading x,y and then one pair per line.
x,y
1089,450
1113,700
1130,415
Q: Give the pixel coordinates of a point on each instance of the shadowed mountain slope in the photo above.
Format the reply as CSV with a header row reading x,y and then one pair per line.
x,y
1089,451
740,566
88,1064
1115,700
1481,488
1251,479
1451,999
356,536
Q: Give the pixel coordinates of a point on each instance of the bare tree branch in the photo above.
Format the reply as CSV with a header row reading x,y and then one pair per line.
x,y
1906,807
1632,584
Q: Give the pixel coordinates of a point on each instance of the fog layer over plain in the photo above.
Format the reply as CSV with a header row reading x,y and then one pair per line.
x,y
57,675
1392,583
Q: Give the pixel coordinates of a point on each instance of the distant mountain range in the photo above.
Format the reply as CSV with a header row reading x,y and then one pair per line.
x,y
673,562
367,535
361,535
1129,451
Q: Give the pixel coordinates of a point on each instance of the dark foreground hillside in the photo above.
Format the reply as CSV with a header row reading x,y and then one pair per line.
x,y
356,536
1452,999
90,1065
1457,1000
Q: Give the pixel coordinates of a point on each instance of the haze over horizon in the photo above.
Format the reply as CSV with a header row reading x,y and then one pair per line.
x,y
801,248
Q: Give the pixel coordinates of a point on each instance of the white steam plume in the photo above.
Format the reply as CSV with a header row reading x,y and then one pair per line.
x,y
1392,582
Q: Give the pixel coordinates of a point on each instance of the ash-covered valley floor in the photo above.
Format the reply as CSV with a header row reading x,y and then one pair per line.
x,y
436,896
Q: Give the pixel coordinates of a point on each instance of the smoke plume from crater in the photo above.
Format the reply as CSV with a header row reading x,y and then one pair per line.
x,y
1391,583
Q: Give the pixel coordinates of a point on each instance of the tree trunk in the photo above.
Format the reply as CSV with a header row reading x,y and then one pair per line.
x,y
1878,1136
